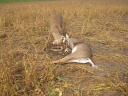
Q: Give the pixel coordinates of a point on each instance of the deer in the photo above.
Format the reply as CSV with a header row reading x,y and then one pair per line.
x,y
57,28
80,53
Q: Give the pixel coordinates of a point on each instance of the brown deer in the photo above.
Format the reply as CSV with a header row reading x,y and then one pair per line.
x,y
81,53
57,28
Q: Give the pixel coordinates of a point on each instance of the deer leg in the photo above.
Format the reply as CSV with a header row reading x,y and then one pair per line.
x,y
66,59
92,63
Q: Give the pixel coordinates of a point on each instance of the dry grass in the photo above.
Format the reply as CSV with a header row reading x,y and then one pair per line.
x,y
25,68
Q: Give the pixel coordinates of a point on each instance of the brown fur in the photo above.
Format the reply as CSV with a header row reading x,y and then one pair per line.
x,y
82,51
57,27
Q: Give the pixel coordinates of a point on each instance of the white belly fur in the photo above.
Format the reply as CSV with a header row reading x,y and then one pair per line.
x,y
74,49
81,60
84,61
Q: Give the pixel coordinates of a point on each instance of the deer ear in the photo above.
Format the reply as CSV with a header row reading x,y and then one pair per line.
x,y
67,36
